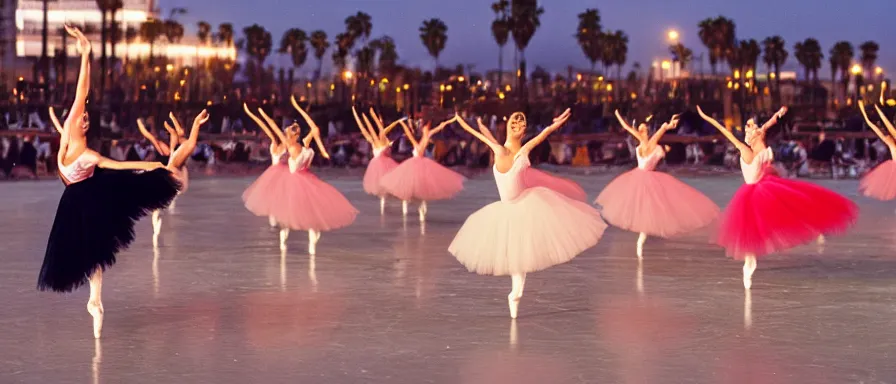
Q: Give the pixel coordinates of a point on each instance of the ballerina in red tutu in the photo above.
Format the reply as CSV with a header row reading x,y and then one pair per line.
x,y
533,177
880,183
257,197
421,178
653,203
382,162
530,229
770,213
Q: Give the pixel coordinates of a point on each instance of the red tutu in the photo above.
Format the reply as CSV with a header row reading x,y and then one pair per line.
x,y
655,203
305,202
420,178
777,214
378,167
259,197
880,183
536,178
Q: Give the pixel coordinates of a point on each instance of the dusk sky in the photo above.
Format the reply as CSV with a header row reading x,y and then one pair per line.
x,y
553,47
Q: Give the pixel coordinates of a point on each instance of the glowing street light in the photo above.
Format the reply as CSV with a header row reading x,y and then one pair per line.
x,y
878,71
347,75
672,35
856,69
665,64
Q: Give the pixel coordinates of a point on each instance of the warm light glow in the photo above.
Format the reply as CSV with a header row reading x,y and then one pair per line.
x,y
737,74
518,73
579,77
600,78
749,73
157,69
634,95
673,35
406,86
182,82
730,84
449,87
501,95
397,89
384,81
771,75
609,87
442,87
747,85
856,69
736,85
21,78
461,79
208,102
870,87
308,85
891,102
347,75
878,70
507,88
665,64
479,82
332,86
169,67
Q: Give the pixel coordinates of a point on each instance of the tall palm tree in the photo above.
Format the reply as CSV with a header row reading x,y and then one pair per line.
x,y
588,35
618,53
388,55
359,26
809,55
293,43
681,54
842,54
203,32
344,43
174,31
434,35
150,31
718,35
775,55
525,19
501,33
869,55
114,35
320,44
258,46
225,34
44,59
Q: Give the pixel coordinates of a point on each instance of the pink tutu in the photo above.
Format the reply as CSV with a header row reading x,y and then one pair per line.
x,y
535,178
378,167
655,203
776,214
420,178
880,183
305,202
539,229
260,197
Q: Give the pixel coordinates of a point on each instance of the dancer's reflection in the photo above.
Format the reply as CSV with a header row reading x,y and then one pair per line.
x,y
282,270
312,272
639,277
97,359
514,333
289,319
155,269
748,311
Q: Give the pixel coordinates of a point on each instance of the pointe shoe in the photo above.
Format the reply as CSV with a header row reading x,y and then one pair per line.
x,y
272,221
513,302
640,251
96,311
748,278
312,243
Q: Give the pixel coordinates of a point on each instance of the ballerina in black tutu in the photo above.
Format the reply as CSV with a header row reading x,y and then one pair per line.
x,y
102,200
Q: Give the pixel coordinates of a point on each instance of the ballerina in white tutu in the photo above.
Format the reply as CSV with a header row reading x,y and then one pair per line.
x,y
530,229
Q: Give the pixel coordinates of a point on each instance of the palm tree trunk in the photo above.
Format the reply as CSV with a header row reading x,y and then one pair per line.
x,y
777,85
112,37
45,62
292,72
104,36
500,66
64,65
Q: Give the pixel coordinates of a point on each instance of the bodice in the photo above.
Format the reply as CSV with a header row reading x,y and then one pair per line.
x,y
277,157
302,161
80,169
649,162
510,183
754,171
379,151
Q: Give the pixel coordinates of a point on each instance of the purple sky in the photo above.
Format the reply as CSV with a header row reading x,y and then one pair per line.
x,y
645,22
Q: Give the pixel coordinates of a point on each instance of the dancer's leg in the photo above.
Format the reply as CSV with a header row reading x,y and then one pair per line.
x,y
641,239
313,237
95,303
156,225
422,211
749,268
272,221
284,234
516,293
382,205
404,207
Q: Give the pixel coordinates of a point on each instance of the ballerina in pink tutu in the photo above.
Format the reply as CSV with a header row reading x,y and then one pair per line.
x,y
770,213
529,229
533,177
880,182
653,203
257,197
382,162
421,178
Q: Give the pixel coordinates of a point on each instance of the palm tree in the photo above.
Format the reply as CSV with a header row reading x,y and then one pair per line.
x,y
258,46
114,35
344,42
388,55
618,53
44,59
434,35
869,55
809,55
718,35
842,54
320,44
775,55
681,54
203,32
293,44
525,19
501,32
225,34
359,25
588,35
150,31
174,31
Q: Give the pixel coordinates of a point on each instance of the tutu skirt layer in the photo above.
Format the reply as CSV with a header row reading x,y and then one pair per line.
x,y
260,197
539,229
776,214
536,178
655,203
305,202
420,178
880,183
378,167
95,220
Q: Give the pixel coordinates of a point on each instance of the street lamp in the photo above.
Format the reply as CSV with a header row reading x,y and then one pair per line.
x,y
672,35
856,69
347,75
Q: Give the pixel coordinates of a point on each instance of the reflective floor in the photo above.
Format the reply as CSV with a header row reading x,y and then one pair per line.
x,y
382,302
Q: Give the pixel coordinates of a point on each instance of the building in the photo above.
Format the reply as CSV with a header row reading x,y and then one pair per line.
x,y
21,27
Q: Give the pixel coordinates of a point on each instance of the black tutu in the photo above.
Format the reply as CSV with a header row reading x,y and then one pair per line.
x,y
95,220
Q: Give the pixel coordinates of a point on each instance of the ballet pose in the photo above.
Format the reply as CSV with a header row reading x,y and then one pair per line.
x,y
880,183
102,200
382,162
176,140
769,213
649,202
533,177
257,197
529,229
421,178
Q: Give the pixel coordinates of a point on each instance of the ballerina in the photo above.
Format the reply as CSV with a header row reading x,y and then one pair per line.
x,y
258,194
528,230
96,213
421,178
880,182
164,156
770,213
649,202
382,162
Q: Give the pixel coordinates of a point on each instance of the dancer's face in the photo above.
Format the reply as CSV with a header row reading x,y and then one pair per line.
x,y
753,134
516,126
642,129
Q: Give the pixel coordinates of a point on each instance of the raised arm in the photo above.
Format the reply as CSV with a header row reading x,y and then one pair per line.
x,y
311,124
315,134
482,129
886,121
441,126
83,87
55,121
627,127
183,152
173,140
725,132
874,127
377,119
493,144
273,126
655,139
408,133
152,139
362,127
261,124
774,120
388,129
558,122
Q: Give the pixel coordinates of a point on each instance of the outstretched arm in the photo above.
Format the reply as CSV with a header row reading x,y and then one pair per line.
x,y
273,126
874,127
774,120
441,126
261,124
408,133
483,130
886,121
493,144
558,122
627,127
83,89
105,162
315,134
743,148
183,152
364,129
164,150
385,131
177,126
655,139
